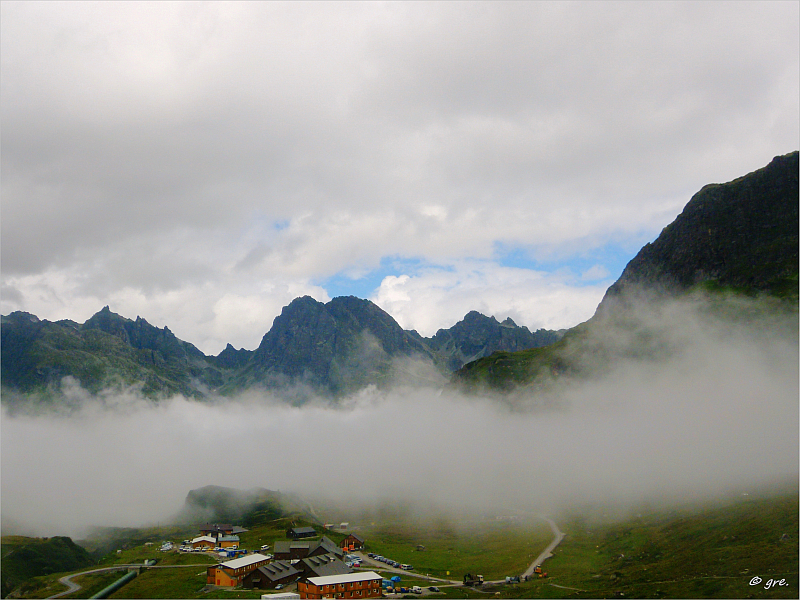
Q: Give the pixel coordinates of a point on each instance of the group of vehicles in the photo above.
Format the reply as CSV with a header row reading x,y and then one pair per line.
x,y
352,560
390,562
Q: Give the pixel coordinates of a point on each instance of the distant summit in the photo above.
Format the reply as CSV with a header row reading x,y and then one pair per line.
x,y
477,335
339,346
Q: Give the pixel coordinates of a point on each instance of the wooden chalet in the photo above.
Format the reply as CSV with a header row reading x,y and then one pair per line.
x,y
206,542
297,533
286,550
352,585
231,573
216,530
272,574
352,542
323,566
229,541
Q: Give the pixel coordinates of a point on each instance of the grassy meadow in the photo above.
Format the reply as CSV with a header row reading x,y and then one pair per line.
x,y
712,551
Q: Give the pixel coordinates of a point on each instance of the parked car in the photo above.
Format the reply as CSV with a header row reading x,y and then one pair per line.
x,y
433,588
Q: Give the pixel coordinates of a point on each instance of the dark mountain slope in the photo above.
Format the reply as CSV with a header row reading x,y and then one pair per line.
x,y
106,351
740,237
335,347
246,508
312,348
477,336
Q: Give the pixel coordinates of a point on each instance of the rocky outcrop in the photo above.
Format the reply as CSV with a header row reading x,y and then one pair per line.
x,y
742,235
336,347
477,336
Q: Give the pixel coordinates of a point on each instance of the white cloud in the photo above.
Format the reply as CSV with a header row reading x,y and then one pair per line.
x,y
438,298
153,149
594,273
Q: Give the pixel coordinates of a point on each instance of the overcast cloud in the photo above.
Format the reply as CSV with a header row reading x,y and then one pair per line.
x,y
202,164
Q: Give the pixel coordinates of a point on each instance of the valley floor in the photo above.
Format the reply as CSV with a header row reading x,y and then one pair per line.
x,y
744,548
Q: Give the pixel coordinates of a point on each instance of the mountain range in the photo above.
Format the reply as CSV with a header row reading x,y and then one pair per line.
x,y
739,237
313,347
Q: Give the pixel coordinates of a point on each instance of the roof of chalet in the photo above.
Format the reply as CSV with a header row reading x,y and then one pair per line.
x,y
217,527
355,535
229,538
345,578
244,561
278,569
282,546
327,544
325,565
286,546
303,530
203,538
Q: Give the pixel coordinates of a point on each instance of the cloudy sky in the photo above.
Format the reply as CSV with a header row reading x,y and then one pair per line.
x,y
201,165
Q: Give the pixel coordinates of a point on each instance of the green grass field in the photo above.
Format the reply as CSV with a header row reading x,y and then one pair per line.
x,y
700,553
689,552
494,549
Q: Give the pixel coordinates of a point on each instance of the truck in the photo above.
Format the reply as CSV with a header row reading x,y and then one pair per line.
x,y
471,581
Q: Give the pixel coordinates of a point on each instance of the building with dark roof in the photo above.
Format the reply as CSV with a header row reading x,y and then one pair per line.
x,y
286,550
268,576
325,546
301,532
228,541
218,530
322,566
283,550
352,542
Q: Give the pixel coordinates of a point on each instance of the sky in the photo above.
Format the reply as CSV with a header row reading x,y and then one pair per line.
x,y
203,164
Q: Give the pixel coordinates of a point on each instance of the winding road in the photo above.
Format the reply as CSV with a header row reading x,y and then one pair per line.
x,y
558,535
74,587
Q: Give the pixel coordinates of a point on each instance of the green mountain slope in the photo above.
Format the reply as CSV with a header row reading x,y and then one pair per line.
x,y
246,508
25,557
106,351
739,237
335,347
477,335
742,235
311,349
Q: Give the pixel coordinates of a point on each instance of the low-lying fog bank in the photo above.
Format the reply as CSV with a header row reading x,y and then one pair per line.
x,y
721,415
